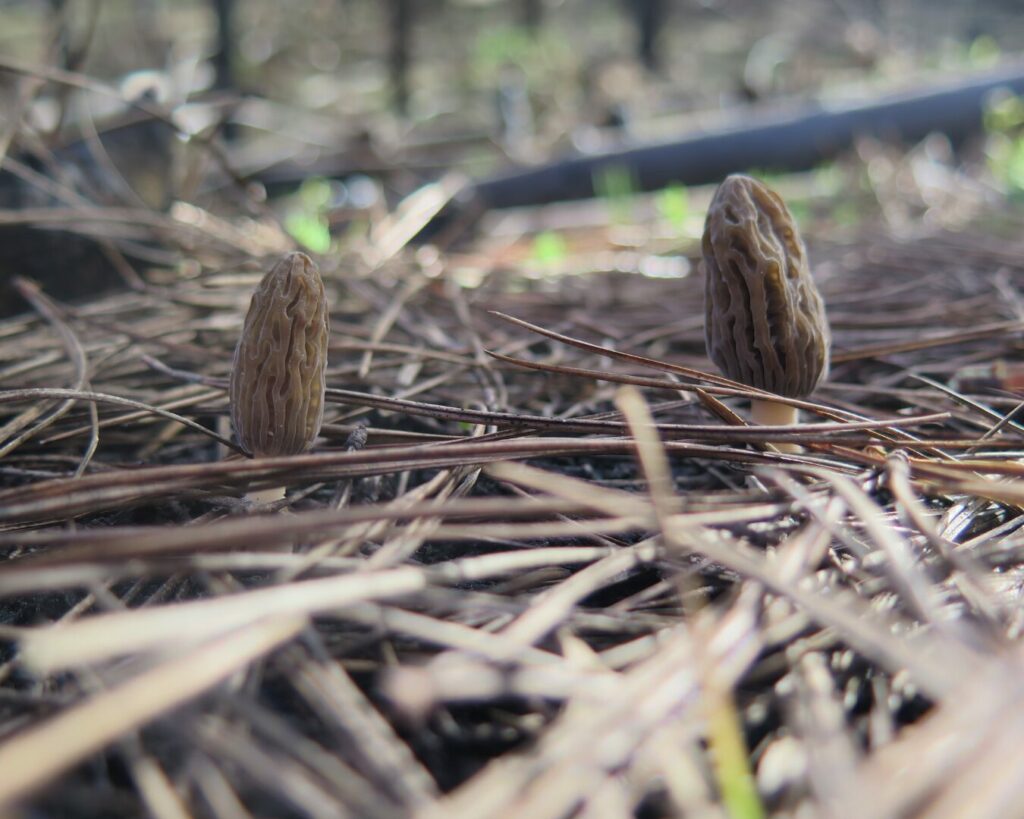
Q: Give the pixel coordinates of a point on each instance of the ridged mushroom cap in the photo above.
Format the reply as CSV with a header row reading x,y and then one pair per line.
x,y
278,379
765,323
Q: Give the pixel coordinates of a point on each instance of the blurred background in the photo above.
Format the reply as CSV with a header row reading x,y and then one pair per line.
x,y
328,113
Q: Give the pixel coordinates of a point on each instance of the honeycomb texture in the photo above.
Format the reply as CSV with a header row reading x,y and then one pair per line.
x,y
278,379
765,323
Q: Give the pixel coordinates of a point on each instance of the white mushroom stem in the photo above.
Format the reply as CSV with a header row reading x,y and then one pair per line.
x,y
775,414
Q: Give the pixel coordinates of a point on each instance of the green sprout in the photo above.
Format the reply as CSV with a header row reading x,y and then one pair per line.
x,y
673,205
983,52
1004,147
549,248
1003,113
730,759
1006,160
617,185
307,221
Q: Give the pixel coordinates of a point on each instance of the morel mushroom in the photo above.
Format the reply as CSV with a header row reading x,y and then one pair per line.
x,y
278,378
765,322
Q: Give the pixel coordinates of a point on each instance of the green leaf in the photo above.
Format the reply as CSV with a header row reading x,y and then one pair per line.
x,y
674,205
549,248
310,231
306,220
617,186
1003,113
983,52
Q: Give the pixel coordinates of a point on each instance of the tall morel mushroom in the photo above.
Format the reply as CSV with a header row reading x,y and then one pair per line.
x,y
765,322
278,379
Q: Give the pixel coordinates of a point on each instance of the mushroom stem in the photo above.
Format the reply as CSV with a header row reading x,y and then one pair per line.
x,y
775,414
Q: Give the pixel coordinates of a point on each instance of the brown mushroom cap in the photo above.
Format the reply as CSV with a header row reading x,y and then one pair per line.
x,y
765,322
278,380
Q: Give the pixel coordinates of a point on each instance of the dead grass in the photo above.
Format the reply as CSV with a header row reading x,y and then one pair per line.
x,y
537,564
427,625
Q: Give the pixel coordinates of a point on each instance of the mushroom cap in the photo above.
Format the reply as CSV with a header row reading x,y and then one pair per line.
x,y
278,380
765,323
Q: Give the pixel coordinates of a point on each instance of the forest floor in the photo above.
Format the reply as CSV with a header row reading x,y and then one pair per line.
x,y
494,588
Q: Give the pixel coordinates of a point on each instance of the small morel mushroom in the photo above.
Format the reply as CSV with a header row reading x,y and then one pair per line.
x,y
278,379
765,322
